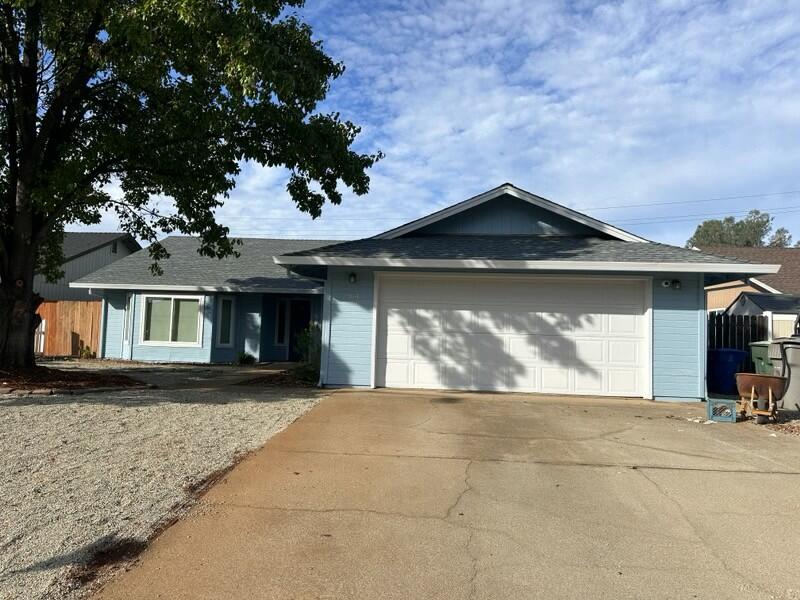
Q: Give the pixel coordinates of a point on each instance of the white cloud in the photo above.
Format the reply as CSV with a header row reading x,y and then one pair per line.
x,y
607,103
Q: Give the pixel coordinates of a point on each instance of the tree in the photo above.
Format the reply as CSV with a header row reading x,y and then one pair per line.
x,y
167,98
752,230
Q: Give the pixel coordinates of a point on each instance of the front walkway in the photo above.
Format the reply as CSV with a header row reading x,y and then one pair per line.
x,y
439,495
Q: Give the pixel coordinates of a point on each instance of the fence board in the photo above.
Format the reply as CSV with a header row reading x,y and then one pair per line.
x,y
70,326
735,331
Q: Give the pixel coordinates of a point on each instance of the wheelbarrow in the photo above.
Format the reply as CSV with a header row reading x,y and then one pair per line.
x,y
760,395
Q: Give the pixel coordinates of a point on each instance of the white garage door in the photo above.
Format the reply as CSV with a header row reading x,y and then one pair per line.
x,y
532,334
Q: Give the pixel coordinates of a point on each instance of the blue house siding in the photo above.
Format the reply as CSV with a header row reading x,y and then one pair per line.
x,y
506,216
679,344
347,328
113,319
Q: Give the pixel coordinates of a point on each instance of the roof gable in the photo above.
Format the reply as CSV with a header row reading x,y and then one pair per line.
x,y
78,243
509,210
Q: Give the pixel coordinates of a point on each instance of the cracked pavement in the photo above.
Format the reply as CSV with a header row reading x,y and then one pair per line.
x,y
390,494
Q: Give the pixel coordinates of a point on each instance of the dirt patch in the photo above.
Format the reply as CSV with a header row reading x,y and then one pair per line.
x,y
281,379
789,423
48,378
110,552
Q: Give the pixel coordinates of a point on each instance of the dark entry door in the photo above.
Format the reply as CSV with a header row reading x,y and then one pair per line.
x,y
299,319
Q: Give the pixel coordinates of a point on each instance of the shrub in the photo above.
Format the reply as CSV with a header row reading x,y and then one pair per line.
x,y
245,358
309,345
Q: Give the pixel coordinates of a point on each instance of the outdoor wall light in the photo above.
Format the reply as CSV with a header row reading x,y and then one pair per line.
x,y
352,278
675,284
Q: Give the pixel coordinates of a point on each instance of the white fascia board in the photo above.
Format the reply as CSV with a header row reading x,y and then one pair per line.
x,y
191,288
764,286
534,265
517,193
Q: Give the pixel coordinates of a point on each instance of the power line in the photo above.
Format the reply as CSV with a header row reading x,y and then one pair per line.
x,y
776,210
718,199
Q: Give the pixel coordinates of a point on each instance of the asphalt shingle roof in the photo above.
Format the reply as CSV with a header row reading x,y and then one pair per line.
x,y
81,242
780,303
513,248
787,280
253,269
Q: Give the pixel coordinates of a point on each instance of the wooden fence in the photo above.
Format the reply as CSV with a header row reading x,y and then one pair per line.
x,y
68,327
736,331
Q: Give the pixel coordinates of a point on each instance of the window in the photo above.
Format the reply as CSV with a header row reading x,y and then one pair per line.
x,y
225,322
172,320
281,322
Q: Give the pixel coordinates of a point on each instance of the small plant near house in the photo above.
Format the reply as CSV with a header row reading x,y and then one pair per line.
x,y
309,345
86,352
245,358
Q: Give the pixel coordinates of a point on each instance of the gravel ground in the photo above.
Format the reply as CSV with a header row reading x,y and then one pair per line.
x,y
80,474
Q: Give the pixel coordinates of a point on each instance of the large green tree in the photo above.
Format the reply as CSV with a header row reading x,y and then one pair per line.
x,y
167,98
752,230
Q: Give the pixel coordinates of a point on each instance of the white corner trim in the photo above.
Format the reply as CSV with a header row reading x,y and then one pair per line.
x,y
195,288
516,192
763,285
374,350
532,265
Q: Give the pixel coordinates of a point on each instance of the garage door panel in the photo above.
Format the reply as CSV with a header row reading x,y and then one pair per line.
x,y
588,381
590,351
623,382
523,347
396,373
533,334
623,352
555,380
426,374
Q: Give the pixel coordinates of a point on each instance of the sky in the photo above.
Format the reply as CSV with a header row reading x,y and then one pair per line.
x,y
650,115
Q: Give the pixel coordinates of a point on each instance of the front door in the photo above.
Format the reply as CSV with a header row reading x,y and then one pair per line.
x,y
299,320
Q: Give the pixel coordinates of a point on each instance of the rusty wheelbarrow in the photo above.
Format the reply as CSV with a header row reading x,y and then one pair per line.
x,y
760,395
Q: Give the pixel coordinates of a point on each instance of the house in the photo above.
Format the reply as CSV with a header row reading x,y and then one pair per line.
x,y
205,309
781,310
504,291
70,316
786,281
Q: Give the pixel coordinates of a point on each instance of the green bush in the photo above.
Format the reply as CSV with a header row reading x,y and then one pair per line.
x,y
309,345
245,358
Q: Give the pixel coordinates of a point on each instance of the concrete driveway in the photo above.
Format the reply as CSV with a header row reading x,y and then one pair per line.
x,y
439,495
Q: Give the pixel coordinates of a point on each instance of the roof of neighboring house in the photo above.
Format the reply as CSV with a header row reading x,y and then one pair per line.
x,y
787,280
492,251
186,270
78,243
777,303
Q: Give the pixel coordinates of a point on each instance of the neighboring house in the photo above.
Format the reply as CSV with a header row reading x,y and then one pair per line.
x,y
205,309
505,291
781,310
70,316
786,281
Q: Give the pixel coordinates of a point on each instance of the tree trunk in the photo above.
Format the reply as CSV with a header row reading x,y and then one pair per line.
x,y
18,318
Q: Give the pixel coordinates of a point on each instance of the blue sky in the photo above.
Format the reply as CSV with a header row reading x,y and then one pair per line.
x,y
592,105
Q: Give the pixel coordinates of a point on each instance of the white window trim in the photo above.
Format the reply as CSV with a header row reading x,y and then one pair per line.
x,y
200,312
278,303
229,344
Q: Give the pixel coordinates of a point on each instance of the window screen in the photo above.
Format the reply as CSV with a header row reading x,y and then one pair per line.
x,y
184,320
156,319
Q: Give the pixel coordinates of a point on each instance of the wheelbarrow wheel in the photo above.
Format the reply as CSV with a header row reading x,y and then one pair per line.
x,y
762,419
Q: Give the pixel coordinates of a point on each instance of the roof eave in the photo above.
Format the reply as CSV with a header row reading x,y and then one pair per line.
x,y
194,288
528,265
511,190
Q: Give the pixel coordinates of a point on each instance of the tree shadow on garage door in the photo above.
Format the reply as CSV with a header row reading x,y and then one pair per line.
x,y
489,351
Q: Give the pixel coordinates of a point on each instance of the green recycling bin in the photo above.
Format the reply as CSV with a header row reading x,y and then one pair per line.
x,y
758,351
